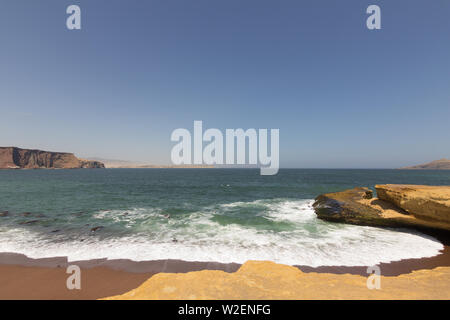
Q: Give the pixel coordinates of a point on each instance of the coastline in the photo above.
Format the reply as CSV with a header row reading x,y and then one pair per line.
x,y
26,278
22,277
396,268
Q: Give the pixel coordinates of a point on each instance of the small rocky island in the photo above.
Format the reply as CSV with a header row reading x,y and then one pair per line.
x,y
417,206
16,158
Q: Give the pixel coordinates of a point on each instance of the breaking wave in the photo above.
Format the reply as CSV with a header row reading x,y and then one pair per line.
x,y
282,230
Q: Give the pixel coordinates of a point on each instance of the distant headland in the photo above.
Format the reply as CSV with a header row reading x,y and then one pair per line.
x,y
17,158
442,164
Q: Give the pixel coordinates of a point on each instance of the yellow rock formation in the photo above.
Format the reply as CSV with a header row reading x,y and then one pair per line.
x,y
416,206
426,202
268,280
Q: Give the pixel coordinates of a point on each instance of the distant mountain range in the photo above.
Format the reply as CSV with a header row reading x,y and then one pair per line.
x,y
16,158
442,164
109,163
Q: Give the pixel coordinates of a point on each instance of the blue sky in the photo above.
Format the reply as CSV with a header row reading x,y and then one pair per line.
x,y
341,95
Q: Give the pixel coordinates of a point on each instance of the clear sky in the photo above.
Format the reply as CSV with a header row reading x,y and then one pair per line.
x,y
341,95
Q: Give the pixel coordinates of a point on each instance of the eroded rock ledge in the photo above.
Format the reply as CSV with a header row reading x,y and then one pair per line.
x,y
16,158
257,280
420,207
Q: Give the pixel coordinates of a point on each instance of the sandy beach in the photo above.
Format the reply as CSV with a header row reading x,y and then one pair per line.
x,y
26,278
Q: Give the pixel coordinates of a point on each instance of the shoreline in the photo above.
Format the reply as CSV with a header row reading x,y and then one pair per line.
x,y
22,277
396,268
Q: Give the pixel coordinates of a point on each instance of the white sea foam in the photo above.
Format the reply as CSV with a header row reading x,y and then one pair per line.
x,y
199,237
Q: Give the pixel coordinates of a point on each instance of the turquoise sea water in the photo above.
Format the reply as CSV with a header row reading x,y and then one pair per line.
x,y
224,215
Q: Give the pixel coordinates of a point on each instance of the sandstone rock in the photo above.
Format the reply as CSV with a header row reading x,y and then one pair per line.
x,y
356,207
347,206
16,158
424,202
256,280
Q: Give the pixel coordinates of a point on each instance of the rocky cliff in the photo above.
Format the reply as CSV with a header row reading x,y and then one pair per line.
x,y
16,158
420,207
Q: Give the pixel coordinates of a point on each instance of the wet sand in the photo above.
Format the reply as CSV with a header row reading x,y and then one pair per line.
x,y
25,278
25,283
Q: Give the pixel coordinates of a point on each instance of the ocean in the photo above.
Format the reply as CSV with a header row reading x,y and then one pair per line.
x,y
220,215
